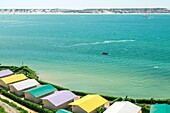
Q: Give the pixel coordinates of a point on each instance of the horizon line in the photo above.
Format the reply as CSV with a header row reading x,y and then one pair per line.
x,y
95,8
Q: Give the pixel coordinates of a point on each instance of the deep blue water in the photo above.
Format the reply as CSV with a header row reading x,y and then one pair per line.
x,y
66,50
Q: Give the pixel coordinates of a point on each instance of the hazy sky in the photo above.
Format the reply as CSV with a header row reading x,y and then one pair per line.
x,y
82,4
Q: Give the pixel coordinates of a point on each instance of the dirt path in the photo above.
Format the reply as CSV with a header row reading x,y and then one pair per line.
x,y
29,110
8,108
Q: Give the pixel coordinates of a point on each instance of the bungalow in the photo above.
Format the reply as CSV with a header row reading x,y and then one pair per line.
x,y
58,100
88,104
17,88
123,107
4,82
35,94
160,108
63,111
5,73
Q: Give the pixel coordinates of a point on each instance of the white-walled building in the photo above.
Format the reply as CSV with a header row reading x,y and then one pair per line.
x,y
6,81
17,88
58,100
35,94
88,104
123,107
4,73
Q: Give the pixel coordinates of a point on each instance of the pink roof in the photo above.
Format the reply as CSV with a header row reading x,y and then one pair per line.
x,y
4,73
60,97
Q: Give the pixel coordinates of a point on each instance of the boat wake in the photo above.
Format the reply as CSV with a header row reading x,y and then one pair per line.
x,y
19,25
96,43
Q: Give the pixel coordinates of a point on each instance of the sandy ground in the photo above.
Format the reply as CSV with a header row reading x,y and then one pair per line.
x,y
27,109
8,108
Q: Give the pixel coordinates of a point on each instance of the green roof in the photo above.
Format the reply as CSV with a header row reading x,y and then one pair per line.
x,y
160,108
63,111
41,90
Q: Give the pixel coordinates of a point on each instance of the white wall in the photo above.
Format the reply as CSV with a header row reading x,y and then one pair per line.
x,y
29,97
140,111
49,105
14,91
3,85
77,109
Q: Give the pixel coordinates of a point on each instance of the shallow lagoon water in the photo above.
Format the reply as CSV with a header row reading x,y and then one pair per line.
x,y
66,50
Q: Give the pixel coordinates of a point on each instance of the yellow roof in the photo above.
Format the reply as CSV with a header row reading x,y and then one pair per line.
x,y
13,78
90,102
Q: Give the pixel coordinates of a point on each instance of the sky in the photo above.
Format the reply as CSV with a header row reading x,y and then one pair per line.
x,y
84,4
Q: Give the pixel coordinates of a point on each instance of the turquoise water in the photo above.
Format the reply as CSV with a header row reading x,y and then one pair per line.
x,y
66,50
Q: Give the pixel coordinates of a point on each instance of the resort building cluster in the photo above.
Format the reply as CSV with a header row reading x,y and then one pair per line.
x,y
82,11
65,101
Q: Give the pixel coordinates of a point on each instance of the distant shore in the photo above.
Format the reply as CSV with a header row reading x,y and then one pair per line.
x,y
83,13
86,11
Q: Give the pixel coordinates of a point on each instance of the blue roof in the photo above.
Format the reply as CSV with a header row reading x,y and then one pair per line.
x,y
41,90
160,108
63,111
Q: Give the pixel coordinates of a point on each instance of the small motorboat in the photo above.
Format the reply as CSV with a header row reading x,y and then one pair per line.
x,y
104,53
146,16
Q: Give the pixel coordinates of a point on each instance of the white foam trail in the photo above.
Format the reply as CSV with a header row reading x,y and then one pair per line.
x,y
19,25
156,67
104,42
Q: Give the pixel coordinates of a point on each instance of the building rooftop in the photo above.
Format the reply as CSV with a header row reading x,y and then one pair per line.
x,y
14,78
63,111
41,90
90,102
60,97
160,108
25,84
6,72
123,107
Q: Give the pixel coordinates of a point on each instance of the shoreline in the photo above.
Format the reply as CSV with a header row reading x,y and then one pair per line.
x,y
43,76
84,13
32,74
143,102
54,78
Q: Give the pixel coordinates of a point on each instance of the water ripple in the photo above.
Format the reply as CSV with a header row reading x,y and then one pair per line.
x,y
96,43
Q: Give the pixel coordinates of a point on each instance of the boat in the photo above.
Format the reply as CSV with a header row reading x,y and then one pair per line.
x,y
104,53
145,15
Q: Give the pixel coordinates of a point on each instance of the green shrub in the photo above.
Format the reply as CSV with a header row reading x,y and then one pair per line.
x,y
129,99
81,93
2,110
110,97
100,110
153,101
162,101
12,68
143,101
117,99
14,105
58,87
145,108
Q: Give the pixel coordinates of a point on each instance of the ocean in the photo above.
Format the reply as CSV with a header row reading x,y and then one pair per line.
x,y
66,50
